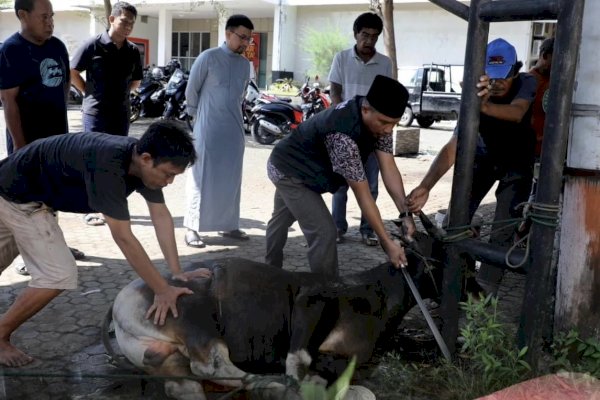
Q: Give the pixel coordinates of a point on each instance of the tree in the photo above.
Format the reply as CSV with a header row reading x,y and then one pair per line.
x,y
322,45
385,9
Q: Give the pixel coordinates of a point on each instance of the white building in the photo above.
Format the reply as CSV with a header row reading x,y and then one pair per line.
x,y
169,29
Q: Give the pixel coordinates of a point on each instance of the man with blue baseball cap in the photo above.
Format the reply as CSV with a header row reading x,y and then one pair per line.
x,y
505,152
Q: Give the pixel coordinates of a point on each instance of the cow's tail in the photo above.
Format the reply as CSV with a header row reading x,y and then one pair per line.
x,y
106,333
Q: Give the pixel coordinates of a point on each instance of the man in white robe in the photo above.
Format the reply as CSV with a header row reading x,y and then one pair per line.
x,y
214,96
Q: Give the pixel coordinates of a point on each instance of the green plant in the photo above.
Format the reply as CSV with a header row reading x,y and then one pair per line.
x,y
322,45
574,354
337,391
489,346
286,85
487,361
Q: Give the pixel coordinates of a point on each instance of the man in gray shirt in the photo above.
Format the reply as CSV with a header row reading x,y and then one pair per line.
x,y
352,73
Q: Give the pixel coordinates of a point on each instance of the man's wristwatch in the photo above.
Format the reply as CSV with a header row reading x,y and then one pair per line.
x,y
405,214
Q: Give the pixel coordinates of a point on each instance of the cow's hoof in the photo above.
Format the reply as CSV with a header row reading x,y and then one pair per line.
x,y
356,392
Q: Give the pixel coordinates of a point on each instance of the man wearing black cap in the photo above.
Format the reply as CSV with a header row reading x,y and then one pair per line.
x,y
326,152
505,151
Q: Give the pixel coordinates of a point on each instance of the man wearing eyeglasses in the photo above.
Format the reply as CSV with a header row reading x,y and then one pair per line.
x,y
214,96
352,73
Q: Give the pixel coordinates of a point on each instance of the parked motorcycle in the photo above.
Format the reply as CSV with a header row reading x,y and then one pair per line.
x,y
175,106
253,97
314,100
147,100
273,120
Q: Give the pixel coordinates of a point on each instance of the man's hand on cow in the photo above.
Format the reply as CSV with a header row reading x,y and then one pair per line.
x,y
165,301
395,253
417,199
197,273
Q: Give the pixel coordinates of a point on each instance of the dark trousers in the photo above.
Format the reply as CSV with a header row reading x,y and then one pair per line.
x,y
340,198
295,202
113,124
513,189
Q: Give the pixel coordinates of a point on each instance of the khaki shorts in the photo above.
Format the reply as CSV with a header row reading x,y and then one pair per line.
x,y
32,230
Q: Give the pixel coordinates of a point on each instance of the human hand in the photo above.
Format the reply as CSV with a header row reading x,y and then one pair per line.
x,y
417,199
165,301
395,253
197,273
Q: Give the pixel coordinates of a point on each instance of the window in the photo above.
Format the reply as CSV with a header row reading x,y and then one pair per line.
x,y
186,46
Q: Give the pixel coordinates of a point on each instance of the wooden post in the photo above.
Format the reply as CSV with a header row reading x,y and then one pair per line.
x,y
578,277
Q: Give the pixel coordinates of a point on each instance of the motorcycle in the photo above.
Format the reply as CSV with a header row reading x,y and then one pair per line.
x,y
174,98
253,97
274,119
147,100
314,100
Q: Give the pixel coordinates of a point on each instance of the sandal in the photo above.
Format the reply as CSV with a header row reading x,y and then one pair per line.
x,y
21,268
77,254
192,239
94,219
235,234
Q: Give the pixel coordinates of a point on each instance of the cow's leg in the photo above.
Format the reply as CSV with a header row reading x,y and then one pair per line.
x,y
218,365
305,317
162,358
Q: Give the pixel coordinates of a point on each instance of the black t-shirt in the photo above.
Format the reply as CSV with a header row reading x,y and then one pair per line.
x,y
109,71
79,173
42,75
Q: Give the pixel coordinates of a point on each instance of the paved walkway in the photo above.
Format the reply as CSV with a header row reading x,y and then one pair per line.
x,y
65,336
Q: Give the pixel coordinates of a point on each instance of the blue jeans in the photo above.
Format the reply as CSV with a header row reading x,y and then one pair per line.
x,y
340,198
114,124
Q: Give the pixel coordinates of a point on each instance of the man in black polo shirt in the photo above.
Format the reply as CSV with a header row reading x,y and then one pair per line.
x,y
92,172
113,68
326,152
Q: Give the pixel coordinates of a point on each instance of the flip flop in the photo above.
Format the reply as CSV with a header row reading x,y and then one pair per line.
x,y
192,239
77,254
235,234
21,269
94,219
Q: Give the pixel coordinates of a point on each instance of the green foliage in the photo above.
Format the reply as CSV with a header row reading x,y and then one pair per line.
x,y
574,354
322,45
487,361
284,86
337,391
489,346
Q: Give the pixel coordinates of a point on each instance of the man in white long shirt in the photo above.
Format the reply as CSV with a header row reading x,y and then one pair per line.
x,y
214,96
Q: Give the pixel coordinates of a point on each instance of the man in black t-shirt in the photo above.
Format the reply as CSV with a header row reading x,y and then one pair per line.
x,y
34,82
92,172
505,152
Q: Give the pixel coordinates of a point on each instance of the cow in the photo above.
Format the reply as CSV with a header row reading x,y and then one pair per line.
x,y
251,318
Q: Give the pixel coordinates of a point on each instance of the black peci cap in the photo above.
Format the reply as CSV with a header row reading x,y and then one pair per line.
x,y
388,96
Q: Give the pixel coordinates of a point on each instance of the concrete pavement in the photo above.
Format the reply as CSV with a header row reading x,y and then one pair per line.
x,y
65,336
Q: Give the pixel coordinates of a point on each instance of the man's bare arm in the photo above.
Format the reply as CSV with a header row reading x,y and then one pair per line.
x,y
12,116
77,80
335,92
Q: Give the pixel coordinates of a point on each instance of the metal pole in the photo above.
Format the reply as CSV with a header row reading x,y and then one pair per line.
x,y
453,7
536,318
468,125
518,10
493,253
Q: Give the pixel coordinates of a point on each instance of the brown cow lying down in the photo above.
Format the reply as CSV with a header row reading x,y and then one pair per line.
x,y
256,318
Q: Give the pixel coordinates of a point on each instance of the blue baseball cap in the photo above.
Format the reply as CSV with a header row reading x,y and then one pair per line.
x,y
500,57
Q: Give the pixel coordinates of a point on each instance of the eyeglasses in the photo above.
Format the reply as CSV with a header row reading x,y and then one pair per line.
x,y
244,38
367,36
